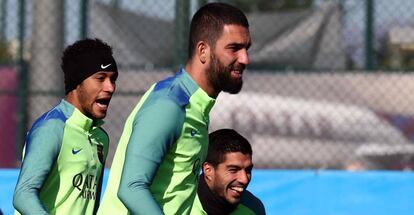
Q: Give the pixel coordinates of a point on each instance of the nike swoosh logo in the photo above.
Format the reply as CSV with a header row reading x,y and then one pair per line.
x,y
76,151
106,66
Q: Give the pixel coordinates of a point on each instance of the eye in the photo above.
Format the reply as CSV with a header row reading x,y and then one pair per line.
x,y
249,170
113,79
233,170
234,48
237,47
100,77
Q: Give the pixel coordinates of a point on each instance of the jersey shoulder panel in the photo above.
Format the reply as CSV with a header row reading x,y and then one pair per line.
x,y
50,123
174,89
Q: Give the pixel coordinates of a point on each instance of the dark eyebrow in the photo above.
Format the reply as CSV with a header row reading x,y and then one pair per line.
x,y
233,166
239,45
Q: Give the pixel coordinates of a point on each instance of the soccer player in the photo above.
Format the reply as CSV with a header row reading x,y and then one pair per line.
x,y
227,172
165,138
66,147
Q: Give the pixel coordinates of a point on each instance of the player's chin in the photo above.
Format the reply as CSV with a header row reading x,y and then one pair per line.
x,y
99,113
233,200
233,197
99,116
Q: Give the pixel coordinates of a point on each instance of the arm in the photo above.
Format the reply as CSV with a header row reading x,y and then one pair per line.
x,y
156,128
42,148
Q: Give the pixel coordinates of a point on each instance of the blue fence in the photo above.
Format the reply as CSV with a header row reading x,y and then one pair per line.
x,y
306,192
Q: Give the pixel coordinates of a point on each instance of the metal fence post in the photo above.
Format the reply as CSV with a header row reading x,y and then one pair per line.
x,y
181,31
22,99
202,2
84,18
3,21
369,35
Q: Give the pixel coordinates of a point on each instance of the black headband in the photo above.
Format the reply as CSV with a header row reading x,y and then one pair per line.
x,y
86,65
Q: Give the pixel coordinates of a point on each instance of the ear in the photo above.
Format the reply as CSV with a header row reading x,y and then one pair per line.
x,y
208,171
203,51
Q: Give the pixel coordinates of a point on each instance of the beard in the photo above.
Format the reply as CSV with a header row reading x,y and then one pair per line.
x,y
83,102
220,77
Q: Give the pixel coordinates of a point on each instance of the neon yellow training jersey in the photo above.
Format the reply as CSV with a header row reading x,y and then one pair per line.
x,y
157,162
63,164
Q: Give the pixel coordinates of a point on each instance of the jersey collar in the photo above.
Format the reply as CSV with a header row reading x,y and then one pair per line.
x,y
82,120
206,103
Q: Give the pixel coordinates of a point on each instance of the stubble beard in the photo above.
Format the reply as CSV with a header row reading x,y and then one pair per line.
x,y
83,99
220,77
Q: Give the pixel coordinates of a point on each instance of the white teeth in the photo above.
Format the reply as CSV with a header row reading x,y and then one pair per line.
x,y
238,189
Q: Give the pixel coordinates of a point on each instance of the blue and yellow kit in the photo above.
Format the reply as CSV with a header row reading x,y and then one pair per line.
x,y
63,164
157,162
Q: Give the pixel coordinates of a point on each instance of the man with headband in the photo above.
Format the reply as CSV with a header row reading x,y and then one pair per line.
x,y
66,147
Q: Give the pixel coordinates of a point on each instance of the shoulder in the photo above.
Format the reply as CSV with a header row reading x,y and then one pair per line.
x,y
164,104
54,116
162,107
51,122
253,203
166,101
46,131
174,89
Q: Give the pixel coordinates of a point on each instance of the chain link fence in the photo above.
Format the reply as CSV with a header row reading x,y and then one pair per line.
x,y
329,85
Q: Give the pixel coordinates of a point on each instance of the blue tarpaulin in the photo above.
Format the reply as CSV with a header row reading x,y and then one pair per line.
x,y
306,192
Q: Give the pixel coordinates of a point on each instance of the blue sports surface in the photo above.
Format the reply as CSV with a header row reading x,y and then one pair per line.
x,y
305,191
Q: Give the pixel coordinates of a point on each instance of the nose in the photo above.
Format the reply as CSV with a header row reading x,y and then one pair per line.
x,y
109,86
244,57
244,177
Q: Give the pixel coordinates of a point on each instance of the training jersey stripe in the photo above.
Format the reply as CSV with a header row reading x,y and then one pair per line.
x,y
174,90
52,114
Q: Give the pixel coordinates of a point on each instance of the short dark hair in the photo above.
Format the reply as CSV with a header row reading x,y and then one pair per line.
x,y
208,22
83,58
224,141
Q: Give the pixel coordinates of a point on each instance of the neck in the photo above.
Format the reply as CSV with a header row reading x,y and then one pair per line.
x,y
199,74
72,99
212,203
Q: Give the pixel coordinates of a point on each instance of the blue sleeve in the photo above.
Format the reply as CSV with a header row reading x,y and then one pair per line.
x,y
42,148
156,128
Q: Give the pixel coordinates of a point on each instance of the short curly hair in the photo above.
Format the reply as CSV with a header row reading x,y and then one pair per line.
x,y
224,141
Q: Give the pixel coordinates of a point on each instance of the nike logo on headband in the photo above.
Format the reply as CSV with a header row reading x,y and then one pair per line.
x,y
106,66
